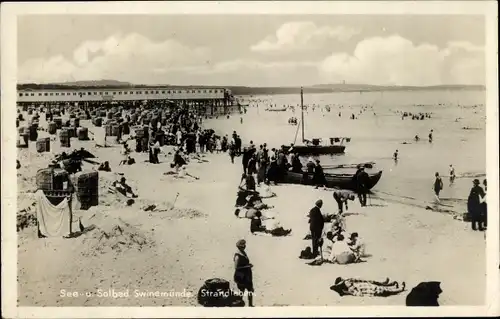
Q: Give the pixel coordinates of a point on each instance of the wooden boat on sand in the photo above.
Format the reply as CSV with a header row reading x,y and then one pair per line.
x,y
333,180
283,109
315,149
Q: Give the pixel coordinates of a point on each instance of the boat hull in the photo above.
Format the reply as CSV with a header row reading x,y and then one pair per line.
x,y
316,150
342,181
276,110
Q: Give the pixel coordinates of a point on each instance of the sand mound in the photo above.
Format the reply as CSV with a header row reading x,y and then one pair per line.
x,y
28,219
167,210
116,236
26,211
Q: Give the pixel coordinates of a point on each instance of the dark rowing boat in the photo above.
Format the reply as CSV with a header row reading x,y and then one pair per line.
x,y
316,149
342,181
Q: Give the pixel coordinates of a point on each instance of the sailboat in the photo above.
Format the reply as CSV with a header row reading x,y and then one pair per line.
x,y
314,146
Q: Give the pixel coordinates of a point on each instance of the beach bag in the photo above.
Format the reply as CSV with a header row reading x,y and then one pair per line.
x,y
306,253
216,292
425,294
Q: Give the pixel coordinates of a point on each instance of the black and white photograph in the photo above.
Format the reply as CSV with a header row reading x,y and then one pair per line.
x,y
230,158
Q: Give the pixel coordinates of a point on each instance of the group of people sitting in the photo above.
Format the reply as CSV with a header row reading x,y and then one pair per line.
x,y
249,205
338,248
262,224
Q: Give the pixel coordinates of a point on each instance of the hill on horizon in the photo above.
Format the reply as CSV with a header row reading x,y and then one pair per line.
x,y
249,90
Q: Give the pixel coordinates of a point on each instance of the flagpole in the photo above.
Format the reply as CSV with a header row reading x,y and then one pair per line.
x,y
302,111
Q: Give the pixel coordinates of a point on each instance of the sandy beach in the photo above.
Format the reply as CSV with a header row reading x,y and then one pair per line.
x,y
180,247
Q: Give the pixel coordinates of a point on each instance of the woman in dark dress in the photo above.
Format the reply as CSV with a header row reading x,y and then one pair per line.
x,y
474,206
243,271
319,178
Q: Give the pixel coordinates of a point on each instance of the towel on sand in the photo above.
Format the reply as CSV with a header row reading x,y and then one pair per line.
x,y
53,221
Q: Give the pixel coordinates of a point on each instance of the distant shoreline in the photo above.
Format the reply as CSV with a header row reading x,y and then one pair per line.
x,y
244,90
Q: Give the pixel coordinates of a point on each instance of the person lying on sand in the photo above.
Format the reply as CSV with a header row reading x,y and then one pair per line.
x,y
183,173
272,226
180,172
250,213
265,191
256,202
242,196
123,188
367,288
198,157
104,167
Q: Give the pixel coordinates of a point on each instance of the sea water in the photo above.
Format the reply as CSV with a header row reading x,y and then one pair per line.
x,y
379,131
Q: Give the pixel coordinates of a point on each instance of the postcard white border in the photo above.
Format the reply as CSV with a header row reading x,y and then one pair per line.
x,y
9,13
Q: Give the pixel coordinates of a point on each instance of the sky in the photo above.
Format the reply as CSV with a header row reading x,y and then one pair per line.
x,y
252,50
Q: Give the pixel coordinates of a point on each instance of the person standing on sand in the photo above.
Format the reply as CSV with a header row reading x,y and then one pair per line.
x,y
362,185
245,159
395,156
438,186
484,207
316,225
319,175
232,151
243,276
474,206
252,164
430,136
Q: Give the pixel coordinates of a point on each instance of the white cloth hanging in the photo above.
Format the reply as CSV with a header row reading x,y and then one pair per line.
x,y
53,221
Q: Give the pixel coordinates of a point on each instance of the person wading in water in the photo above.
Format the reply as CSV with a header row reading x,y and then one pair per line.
x,y
452,174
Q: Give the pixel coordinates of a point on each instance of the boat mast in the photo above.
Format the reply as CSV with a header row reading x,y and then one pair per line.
x,y
302,111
